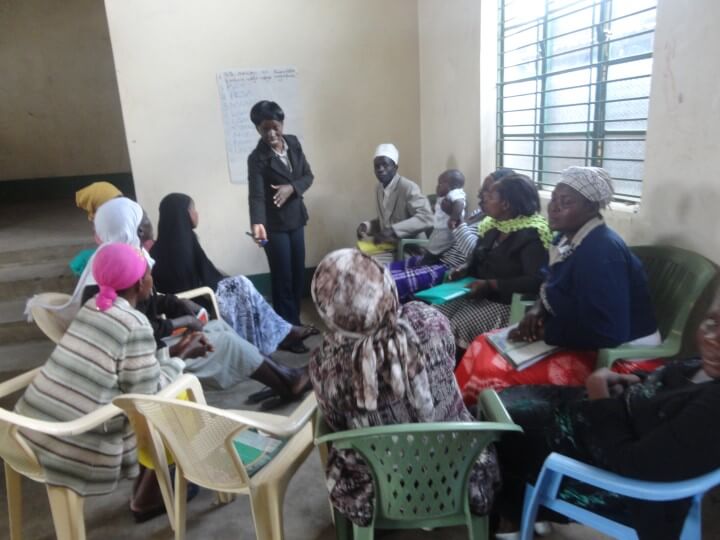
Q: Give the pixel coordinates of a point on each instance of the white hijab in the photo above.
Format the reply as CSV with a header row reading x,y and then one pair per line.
x,y
116,221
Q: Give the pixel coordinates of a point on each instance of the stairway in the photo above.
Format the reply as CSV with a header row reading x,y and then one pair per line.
x,y
37,242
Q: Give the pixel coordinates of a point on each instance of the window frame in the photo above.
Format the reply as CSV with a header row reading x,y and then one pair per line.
x,y
598,130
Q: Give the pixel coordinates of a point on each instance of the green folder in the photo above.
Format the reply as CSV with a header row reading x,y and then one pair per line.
x,y
447,291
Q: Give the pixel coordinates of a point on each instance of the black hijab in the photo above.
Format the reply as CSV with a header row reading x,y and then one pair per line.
x,y
180,262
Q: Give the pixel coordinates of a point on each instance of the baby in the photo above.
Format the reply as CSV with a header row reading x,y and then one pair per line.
x,y
449,210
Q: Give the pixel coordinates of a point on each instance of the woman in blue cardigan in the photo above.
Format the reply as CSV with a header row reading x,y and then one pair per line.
x,y
595,295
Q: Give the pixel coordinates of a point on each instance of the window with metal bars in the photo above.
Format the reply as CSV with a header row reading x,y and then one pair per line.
x,y
573,87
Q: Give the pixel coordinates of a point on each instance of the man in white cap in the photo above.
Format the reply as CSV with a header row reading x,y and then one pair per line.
x,y
403,211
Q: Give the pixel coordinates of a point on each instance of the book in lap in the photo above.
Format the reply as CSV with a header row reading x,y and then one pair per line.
x,y
447,291
521,354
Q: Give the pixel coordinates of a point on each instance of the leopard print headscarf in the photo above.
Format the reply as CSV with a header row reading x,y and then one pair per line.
x,y
357,299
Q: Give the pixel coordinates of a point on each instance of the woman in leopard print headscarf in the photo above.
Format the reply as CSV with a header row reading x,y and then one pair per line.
x,y
381,363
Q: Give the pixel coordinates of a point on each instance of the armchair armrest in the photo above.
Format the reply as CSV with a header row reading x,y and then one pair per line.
x,y
184,382
492,407
202,291
275,424
17,383
520,304
607,357
640,489
405,242
92,419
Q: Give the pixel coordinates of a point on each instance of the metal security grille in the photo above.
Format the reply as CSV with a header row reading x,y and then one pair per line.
x,y
573,87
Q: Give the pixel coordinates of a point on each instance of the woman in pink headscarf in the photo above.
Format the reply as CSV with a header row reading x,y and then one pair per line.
x,y
108,350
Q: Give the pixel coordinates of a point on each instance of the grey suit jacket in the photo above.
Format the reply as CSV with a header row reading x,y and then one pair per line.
x,y
407,210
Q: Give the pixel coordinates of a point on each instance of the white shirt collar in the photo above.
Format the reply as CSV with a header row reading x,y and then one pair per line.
x,y
392,185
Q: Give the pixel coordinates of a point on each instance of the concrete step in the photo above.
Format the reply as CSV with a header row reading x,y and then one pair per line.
x,y
12,310
14,327
25,288
19,332
41,270
39,255
18,357
31,271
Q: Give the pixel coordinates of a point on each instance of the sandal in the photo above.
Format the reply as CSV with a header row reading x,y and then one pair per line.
x,y
310,330
262,395
296,347
279,401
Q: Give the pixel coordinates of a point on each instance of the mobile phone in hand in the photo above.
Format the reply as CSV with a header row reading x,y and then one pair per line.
x,y
260,242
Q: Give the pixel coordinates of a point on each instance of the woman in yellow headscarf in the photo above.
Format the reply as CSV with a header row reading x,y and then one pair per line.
x,y
91,197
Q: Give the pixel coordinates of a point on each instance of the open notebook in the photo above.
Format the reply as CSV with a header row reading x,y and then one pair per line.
x,y
447,291
520,354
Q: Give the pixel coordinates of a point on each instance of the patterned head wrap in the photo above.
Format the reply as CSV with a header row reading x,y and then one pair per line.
x,y
92,197
116,267
593,183
357,299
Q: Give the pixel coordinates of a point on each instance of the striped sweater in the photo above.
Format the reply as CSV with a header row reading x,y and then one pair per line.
x,y
103,354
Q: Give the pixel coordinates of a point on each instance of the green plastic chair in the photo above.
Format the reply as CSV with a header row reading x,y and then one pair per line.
x,y
676,278
421,471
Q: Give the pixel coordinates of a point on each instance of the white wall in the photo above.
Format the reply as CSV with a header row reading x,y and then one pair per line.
x,y
59,107
681,189
449,88
358,70
457,98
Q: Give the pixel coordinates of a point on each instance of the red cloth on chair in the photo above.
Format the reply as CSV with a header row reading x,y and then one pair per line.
x,y
483,367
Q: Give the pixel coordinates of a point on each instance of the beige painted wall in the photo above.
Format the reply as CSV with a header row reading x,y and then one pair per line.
x,y
457,104
59,107
449,47
358,71
681,191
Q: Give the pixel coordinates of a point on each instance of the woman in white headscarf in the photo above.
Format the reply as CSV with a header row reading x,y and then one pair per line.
x,y
595,295
116,221
382,363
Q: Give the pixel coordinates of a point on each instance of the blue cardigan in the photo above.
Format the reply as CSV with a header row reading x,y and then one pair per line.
x,y
599,295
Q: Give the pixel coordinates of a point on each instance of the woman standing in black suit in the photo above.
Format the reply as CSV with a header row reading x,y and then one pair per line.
x,y
278,175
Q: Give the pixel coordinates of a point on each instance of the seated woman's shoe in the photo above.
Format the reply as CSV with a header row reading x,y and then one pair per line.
x,y
309,330
279,401
262,395
296,347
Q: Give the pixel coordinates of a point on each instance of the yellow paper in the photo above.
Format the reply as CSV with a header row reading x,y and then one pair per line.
x,y
371,248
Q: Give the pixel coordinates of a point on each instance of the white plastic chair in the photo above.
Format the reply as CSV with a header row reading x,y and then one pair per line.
x,y
200,439
49,321
202,291
20,460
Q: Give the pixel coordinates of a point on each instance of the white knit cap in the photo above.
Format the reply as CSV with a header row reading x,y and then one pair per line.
x,y
389,151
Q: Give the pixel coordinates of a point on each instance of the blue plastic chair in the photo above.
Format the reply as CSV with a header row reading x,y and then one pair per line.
x,y
557,467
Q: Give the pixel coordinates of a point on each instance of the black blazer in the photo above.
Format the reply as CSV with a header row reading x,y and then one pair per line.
x,y
515,263
266,169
